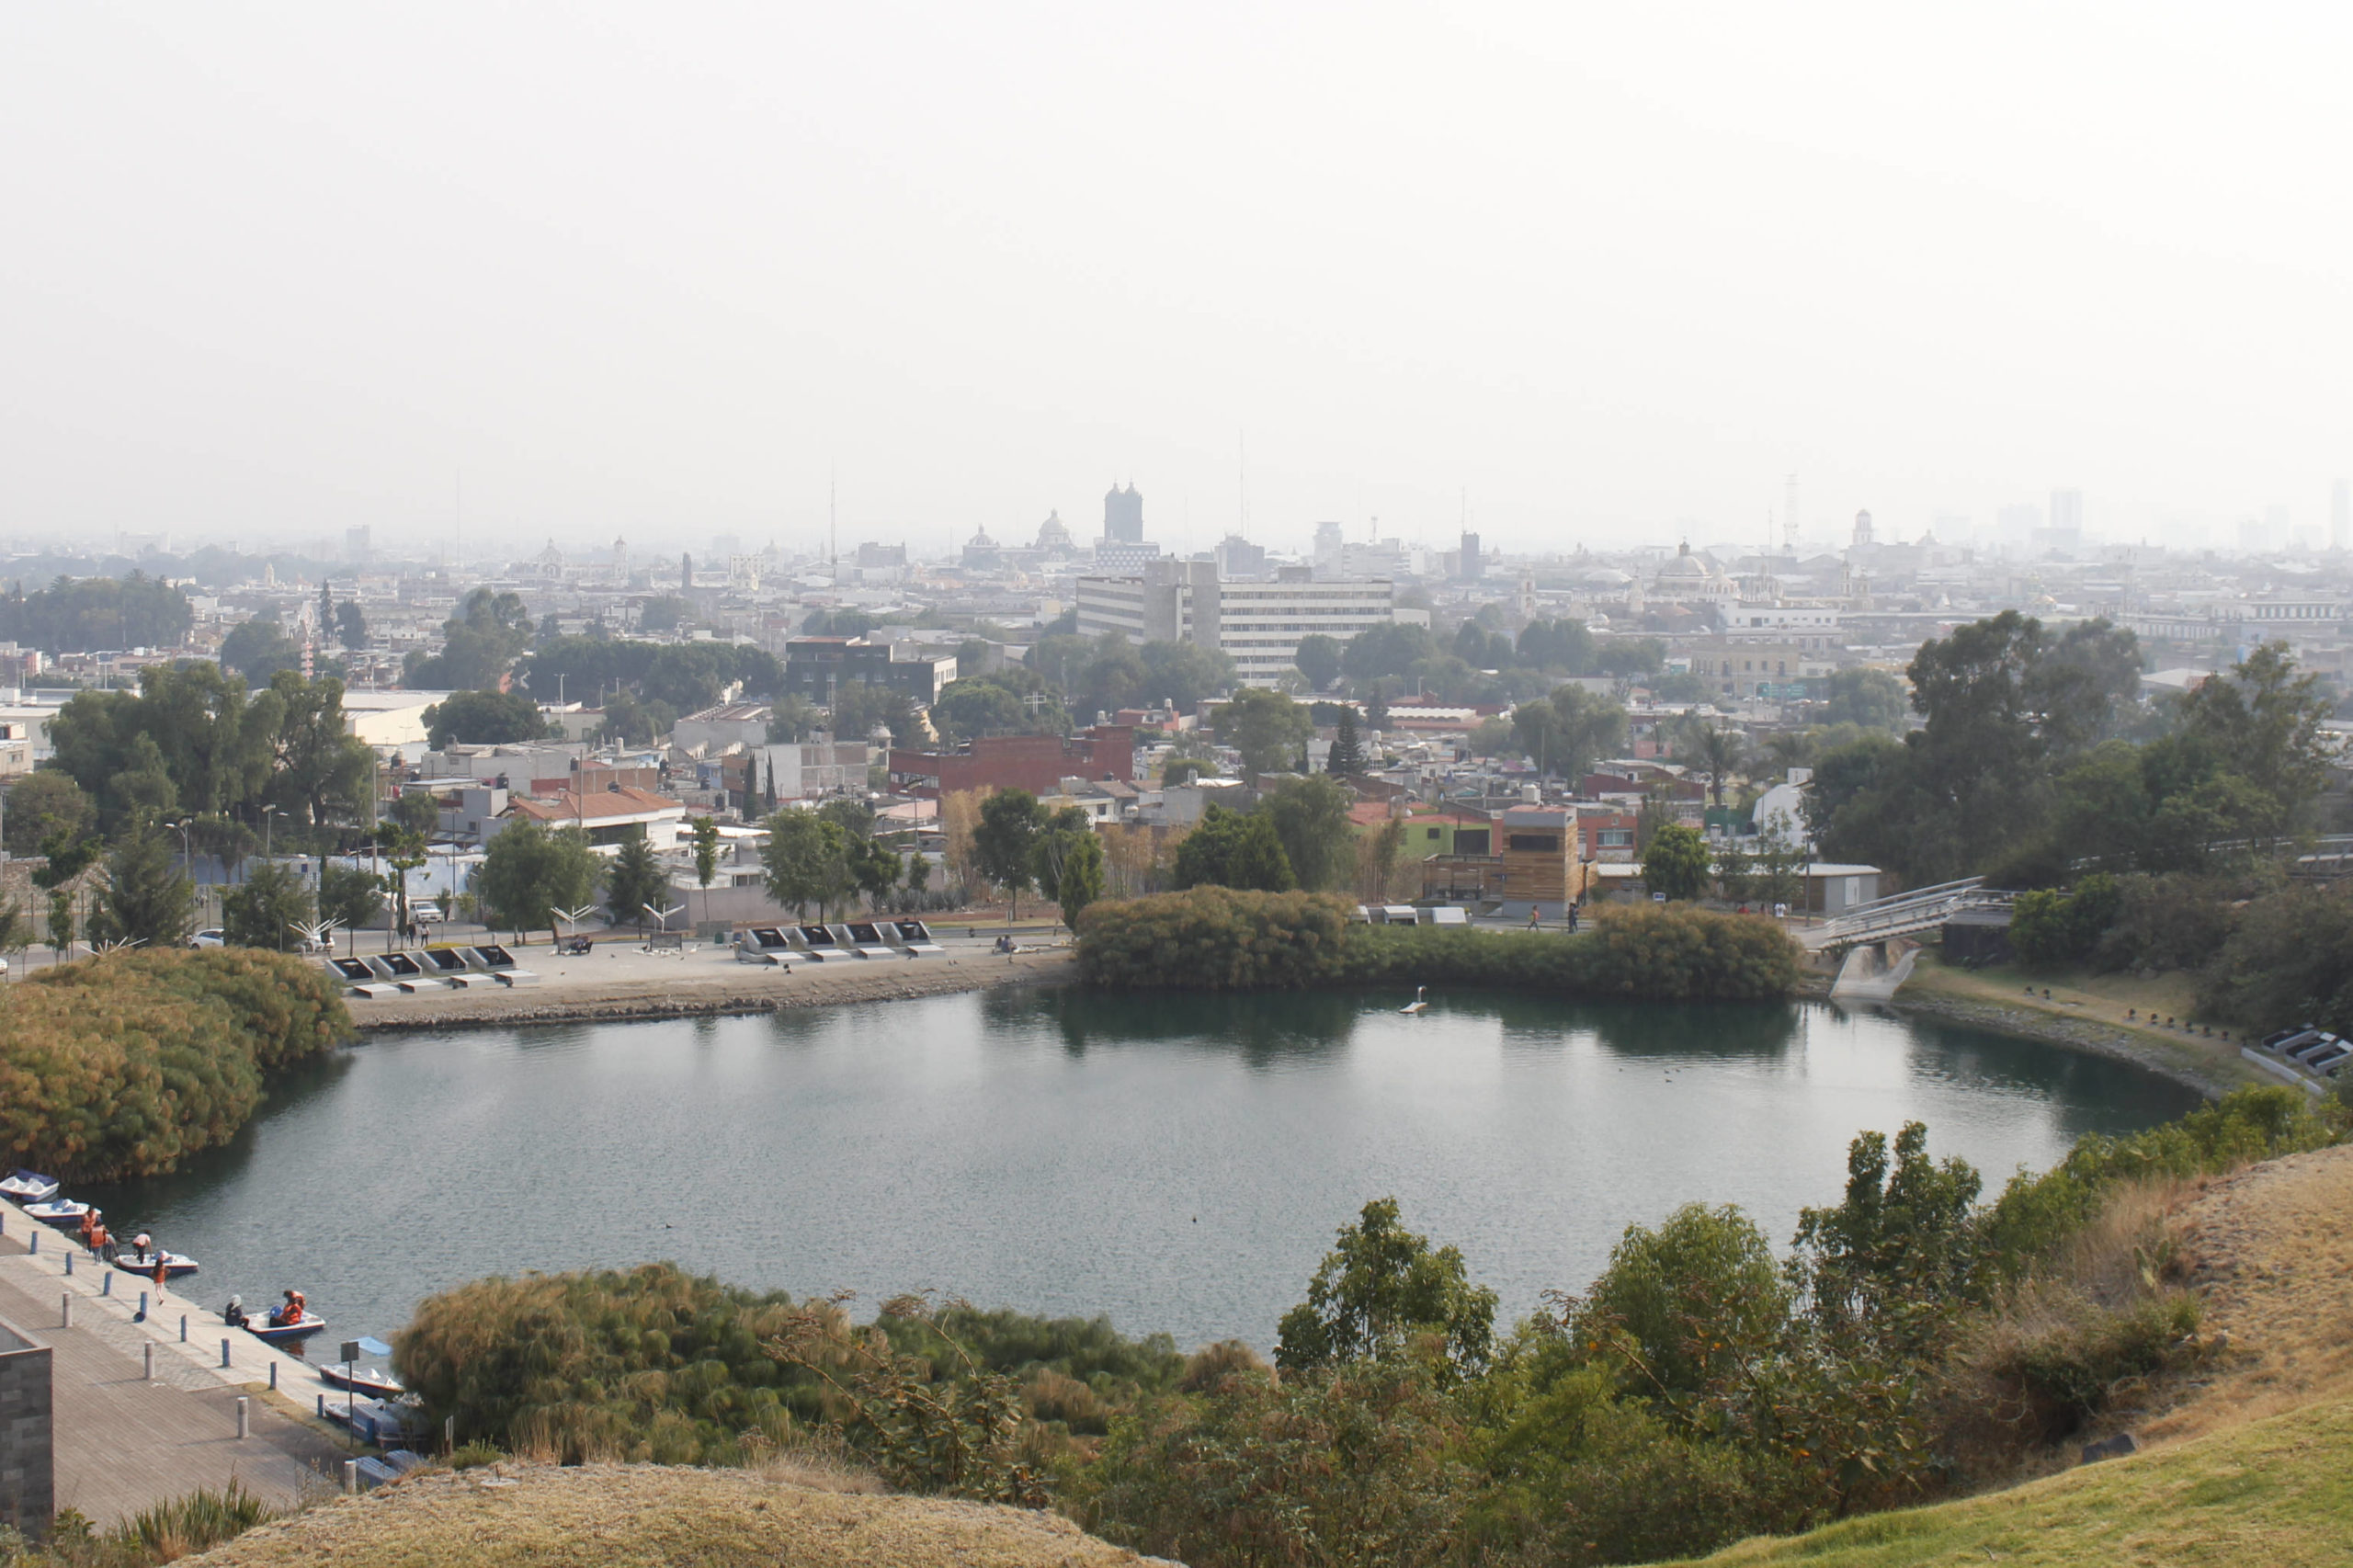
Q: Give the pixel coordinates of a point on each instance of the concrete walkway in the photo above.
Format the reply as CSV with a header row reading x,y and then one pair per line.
x,y
125,1443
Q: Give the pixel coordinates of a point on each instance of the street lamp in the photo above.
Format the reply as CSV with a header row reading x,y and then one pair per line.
x,y
188,859
268,827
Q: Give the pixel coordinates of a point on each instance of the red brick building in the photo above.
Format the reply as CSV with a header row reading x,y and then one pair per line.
x,y
1036,763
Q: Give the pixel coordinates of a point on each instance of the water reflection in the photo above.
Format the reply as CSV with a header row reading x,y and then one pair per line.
x,y
1287,1026
1177,1162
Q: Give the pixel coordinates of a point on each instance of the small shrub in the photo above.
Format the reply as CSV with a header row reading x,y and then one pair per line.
x,y
472,1456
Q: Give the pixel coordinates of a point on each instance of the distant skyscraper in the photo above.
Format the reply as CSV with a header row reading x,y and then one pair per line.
x,y
1472,565
685,572
2067,512
1123,516
1331,545
2340,514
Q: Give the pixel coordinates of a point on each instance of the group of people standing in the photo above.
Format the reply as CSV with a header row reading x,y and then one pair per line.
x,y
96,1237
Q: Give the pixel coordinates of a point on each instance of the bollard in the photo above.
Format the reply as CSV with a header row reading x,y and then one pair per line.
x,y
350,1476
106,1284
150,1373
323,1407
224,1352
183,1328
69,1263
273,1377
67,1303
243,1417
32,1240
142,1305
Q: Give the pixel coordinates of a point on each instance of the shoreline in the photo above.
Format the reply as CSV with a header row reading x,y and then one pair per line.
x,y
2074,1020
737,990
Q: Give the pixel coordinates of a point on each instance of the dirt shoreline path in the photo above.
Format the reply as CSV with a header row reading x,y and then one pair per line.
x,y
619,982
2089,1015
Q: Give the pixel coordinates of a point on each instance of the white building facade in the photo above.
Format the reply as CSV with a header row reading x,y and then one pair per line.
x,y
1258,625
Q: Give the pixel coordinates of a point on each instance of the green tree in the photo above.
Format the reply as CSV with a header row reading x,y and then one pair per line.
x,y
807,861
1872,698
634,879
1268,729
44,805
79,614
634,722
794,718
350,897
319,769
1676,863
258,649
1311,823
1379,1289
859,707
405,850
1005,842
351,625
1077,872
1569,731
1626,657
2266,718
971,707
1680,1307
528,872
479,645
1318,659
147,898
1345,759
1719,752
260,913
1232,850
1388,650
60,920
418,811
482,718
1901,1246
705,838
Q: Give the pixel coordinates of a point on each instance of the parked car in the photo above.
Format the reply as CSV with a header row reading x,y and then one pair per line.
x,y
214,937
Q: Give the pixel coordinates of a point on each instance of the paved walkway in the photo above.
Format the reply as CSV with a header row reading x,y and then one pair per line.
x,y
124,1443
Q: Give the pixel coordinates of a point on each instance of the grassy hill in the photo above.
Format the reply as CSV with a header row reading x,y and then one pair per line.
x,y
2246,1467
2271,1494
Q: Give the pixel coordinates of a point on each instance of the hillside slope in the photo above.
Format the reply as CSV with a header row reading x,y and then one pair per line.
x,y
2247,1464
654,1516
2273,1494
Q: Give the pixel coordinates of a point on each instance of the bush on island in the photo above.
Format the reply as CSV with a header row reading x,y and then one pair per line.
x,y
1220,940
120,1066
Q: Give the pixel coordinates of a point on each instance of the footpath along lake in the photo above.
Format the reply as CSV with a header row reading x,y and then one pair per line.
x,y
1177,1162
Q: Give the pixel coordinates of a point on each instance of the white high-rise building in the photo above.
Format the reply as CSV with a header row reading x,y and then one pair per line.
x,y
1257,625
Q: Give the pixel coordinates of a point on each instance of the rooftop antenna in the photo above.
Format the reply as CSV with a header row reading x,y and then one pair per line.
x,y
1790,513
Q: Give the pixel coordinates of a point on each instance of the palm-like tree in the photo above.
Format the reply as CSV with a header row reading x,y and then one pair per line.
x,y
1720,752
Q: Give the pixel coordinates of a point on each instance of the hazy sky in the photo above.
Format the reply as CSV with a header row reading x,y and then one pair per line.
x,y
655,269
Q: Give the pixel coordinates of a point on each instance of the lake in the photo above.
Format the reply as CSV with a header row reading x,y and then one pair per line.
x,y
1178,1163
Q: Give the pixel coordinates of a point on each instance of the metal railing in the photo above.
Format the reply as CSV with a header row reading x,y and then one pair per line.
x,y
1901,915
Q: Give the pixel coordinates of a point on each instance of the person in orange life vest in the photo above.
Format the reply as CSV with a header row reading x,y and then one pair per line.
x,y
291,1312
163,1270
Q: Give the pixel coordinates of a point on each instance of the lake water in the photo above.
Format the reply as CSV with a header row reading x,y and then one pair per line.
x,y
1177,1162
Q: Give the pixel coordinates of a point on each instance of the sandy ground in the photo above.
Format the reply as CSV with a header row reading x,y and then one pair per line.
x,y
620,980
2270,1251
627,1516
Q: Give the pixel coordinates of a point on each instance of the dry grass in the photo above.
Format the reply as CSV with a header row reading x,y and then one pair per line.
x,y
2270,1250
650,1517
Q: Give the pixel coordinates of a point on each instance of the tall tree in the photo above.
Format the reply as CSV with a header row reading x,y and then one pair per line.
x,y
1311,820
634,879
1676,863
258,649
260,912
322,771
1569,731
147,898
528,872
1318,659
1345,759
1265,727
807,861
705,836
1232,850
1004,840
44,805
482,718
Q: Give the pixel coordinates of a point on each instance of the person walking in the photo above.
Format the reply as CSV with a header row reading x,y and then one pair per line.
x,y
1535,916
163,1271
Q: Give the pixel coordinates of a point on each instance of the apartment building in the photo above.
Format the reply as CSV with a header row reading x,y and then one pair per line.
x,y
1258,625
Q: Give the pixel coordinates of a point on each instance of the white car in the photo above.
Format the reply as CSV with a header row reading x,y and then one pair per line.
x,y
215,937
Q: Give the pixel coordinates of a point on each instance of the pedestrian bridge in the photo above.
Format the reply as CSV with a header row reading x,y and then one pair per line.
x,y
1903,913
